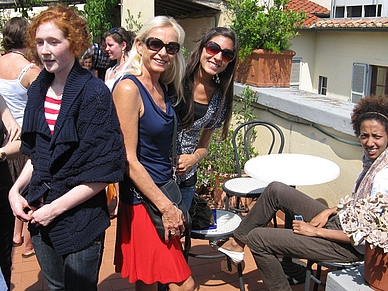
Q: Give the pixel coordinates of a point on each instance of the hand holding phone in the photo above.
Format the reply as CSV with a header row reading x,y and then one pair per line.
x,y
298,217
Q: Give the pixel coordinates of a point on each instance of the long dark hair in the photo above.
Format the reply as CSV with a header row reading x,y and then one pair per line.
x,y
185,108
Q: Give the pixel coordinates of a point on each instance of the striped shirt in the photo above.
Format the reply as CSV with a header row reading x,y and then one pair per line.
x,y
52,105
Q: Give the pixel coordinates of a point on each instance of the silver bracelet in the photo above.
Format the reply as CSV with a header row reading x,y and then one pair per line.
x,y
199,157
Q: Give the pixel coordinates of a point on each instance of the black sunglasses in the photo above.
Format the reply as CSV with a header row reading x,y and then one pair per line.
x,y
155,44
115,30
213,48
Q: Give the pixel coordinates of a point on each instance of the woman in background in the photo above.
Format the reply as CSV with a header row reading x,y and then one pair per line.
x,y
16,75
207,104
146,120
71,134
118,43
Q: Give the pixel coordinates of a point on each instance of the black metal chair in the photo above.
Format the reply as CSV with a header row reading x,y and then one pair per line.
x,y
247,187
330,265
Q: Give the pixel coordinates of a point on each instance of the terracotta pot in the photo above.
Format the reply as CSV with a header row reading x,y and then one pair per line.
x,y
376,268
265,68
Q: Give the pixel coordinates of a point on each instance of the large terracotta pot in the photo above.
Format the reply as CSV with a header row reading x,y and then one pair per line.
x,y
376,268
265,68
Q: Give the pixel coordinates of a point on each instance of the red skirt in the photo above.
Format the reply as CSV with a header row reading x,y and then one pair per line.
x,y
140,253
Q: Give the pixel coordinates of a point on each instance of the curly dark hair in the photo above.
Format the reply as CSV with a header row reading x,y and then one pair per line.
x,y
372,107
15,33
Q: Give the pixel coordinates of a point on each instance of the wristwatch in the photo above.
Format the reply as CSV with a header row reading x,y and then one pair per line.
x,y
3,155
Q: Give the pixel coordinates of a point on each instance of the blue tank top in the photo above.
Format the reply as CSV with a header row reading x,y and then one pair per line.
x,y
155,136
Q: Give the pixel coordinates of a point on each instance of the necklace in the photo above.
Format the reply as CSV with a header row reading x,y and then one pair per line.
x,y
18,53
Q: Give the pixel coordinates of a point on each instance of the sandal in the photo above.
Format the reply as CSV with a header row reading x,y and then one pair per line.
x,y
28,255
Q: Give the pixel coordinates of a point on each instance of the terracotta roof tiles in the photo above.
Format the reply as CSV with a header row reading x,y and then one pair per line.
x,y
349,23
310,8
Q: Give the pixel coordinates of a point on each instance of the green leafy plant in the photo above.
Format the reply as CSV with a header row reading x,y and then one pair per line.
x,y
133,24
263,26
220,158
24,6
99,16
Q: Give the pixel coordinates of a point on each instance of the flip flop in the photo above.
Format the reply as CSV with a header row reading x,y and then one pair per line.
x,y
17,244
26,256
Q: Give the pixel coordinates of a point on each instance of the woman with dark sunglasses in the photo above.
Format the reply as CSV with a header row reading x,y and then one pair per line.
x,y
146,119
118,43
208,100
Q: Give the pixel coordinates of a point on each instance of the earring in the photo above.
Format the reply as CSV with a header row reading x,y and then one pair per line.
x,y
216,79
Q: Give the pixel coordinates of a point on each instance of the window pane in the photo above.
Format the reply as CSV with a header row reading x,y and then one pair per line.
x,y
379,90
354,11
381,76
370,11
340,12
379,10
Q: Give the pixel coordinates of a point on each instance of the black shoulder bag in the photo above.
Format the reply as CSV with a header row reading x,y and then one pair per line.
x,y
172,192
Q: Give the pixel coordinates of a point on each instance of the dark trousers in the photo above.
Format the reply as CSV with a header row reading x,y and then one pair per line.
x,y
265,243
6,235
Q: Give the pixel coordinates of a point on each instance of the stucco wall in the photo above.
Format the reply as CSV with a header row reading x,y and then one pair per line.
x,y
315,125
304,139
332,53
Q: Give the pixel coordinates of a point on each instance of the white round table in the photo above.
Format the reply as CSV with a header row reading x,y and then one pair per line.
x,y
292,169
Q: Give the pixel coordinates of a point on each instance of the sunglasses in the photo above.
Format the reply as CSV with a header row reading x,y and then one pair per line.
x,y
155,44
115,30
213,48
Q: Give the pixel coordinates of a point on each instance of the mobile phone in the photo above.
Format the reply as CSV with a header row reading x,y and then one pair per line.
x,y
298,217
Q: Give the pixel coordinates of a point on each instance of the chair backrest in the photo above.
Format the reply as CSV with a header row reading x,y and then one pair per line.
x,y
246,130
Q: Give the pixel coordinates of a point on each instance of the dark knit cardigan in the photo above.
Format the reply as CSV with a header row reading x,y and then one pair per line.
x,y
86,147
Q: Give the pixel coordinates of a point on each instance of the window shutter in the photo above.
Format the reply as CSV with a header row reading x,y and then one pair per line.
x,y
295,73
359,81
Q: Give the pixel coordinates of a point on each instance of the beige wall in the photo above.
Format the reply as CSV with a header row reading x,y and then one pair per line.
x,y
304,139
332,53
146,8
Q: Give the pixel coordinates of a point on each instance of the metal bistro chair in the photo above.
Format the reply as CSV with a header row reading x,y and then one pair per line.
x,y
329,265
247,187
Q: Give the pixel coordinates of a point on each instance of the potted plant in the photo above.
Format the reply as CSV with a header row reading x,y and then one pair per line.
x,y
220,164
264,33
367,220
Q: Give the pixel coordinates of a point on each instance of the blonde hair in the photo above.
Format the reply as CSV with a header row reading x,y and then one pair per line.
x,y
173,75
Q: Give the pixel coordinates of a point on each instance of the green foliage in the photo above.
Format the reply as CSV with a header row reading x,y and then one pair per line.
x,y
4,17
264,27
99,16
24,6
220,157
133,24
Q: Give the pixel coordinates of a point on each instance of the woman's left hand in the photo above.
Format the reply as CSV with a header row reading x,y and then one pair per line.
x,y
304,228
43,216
185,163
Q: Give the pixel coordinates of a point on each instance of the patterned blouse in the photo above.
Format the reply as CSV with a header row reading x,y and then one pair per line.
x,y
187,140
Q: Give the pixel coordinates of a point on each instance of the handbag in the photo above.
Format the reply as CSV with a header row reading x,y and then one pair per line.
x,y
172,192
201,215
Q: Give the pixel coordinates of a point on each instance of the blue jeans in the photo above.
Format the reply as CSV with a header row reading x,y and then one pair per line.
x,y
75,271
187,195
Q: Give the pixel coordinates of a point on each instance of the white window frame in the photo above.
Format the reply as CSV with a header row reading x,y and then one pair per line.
x,y
359,82
297,84
320,82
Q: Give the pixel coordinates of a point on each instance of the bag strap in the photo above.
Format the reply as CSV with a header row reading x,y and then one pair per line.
x,y
174,156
